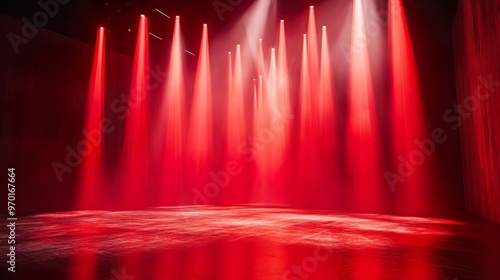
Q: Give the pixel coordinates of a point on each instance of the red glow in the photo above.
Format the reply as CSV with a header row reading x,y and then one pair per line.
x,y
90,174
172,123
266,99
325,98
283,79
307,183
261,178
135,158
476,43
313,57
84,260
305,104
200,123
255,108
279,149
235,125
407,114
235,109
230,80
290,234
327,128
275,147
365,176
282,134
287,226
260,66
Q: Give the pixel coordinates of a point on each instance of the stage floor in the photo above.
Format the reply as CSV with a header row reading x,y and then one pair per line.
x,y
206,242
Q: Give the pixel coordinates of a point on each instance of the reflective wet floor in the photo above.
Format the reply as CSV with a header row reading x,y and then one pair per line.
x,y
206,242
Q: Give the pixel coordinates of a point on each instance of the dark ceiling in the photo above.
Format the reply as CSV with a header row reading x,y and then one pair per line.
x,y
79,19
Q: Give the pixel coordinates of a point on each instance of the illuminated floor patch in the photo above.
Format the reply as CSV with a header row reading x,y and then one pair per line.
x,y
202,242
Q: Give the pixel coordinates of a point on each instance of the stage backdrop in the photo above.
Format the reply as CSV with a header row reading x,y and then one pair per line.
x,y
44,88
42,105
477,43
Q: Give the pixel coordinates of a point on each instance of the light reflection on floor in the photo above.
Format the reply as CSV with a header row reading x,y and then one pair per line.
x,y
200,242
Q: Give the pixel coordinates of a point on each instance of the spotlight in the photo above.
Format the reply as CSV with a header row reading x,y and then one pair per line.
x,y
142,15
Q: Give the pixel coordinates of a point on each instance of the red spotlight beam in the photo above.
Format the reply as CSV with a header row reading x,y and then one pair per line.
x,y
235,109
365,175
200,143
408,122
172,124
135,158
90,175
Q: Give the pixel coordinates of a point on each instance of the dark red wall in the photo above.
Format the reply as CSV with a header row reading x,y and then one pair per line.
x,y
477,44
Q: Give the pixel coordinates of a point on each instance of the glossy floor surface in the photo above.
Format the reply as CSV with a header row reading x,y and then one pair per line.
x,y
202,242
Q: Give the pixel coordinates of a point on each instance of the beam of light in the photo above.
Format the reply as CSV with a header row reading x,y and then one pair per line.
x,y
254,99
313,57
363,147
262,109
283,76
247,30
325,97
172,124
283,89
261,183
309,161
274,147
90,174
156,36
230,79
272,85
83,263
408,123
280,145
305,104
260,63
307,155
162,13
266,148
255,128
255,108
200,134
135,158
254,21
190,53
327,121
235,120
